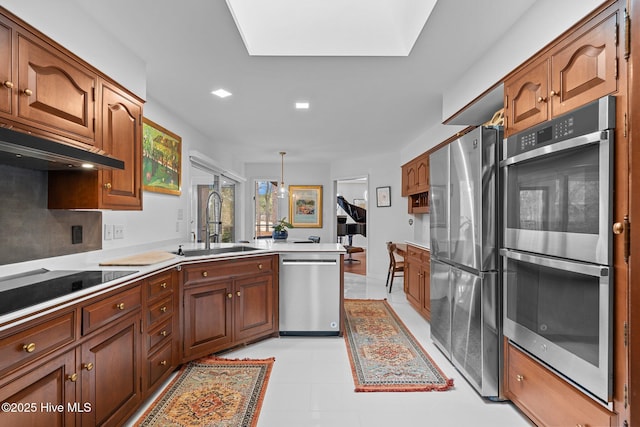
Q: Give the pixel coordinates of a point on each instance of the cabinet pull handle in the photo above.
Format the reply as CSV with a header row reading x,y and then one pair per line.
x,y
519,378
238,293
163,285
120,306
163,333
29,348
8,84
163,363
107,186
259,266
205,274
87,366
229,295
163,309
73,377
27,92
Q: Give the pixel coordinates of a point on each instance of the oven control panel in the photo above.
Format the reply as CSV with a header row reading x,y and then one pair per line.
x,y
598,115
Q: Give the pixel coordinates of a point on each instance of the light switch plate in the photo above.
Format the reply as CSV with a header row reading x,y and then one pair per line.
x,y
118,231
108,232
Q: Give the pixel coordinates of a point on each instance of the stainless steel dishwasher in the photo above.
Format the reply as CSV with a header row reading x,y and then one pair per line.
x,y
310,288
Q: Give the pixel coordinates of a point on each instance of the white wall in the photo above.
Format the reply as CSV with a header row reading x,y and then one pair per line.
x,y
383,223
294,174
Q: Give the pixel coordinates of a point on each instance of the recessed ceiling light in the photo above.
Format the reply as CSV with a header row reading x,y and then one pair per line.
x,y
221,93
302,105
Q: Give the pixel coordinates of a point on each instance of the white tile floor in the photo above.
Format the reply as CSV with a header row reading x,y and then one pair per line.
x,y
311,383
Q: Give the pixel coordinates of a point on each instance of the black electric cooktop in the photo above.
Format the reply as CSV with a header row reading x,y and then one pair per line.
x,y
35,287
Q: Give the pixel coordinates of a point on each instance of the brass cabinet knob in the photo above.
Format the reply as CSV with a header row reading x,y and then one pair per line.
x,y
163,285
27,92
541,99
519,378
618,228
229,295
120,306
73,377
238,293
87,366
205,274
163,333
259,266
163,363
8,84
107,186
29,348
163,309
553,93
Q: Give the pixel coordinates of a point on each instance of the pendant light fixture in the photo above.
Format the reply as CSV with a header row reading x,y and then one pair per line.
x,y
283,193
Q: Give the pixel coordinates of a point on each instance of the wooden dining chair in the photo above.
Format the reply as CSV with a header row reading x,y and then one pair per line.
x,y
395,266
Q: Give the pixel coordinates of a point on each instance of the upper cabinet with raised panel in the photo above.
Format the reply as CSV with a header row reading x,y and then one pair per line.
x,y
6,68
581,68
54,92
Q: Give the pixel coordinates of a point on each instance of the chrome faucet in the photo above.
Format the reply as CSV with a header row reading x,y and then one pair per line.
x,y
217,220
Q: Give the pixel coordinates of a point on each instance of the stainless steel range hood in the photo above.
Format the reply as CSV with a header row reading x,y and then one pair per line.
x,y
28,151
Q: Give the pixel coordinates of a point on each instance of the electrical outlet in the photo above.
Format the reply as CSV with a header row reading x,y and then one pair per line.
x,y
177,226
108,232
76,234
118,231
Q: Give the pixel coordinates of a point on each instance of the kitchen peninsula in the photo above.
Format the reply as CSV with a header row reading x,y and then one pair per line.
x,y
141,325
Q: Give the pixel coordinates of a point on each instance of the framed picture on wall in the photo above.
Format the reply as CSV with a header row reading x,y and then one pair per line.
x,y
383,197
161,159
305,206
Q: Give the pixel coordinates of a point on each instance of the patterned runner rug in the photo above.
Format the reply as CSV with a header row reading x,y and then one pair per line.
x,y
212,392
384,355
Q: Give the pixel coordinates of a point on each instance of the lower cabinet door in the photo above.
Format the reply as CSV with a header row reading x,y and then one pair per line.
x,y
43,396
207,318
110,363
254,313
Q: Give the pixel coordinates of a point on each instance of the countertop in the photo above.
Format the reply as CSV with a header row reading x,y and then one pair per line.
x,y
423,245
91,261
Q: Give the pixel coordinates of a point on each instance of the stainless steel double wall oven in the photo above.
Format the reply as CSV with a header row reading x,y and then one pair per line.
x,y
557,248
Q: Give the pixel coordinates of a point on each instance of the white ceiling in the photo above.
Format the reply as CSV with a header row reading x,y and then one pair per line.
x,y
359,104
330,27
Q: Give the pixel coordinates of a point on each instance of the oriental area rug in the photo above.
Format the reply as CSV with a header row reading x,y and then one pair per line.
x,y
212,392
384,355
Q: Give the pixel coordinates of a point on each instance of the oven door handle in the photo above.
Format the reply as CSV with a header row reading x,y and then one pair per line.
x,y
594,270
578,141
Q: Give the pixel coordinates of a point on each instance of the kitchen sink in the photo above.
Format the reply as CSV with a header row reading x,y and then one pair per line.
x,y
216,251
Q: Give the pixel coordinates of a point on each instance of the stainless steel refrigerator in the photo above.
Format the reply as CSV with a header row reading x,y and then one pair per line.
x,y
465,291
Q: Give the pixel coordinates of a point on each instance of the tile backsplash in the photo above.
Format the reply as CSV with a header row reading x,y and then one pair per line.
x,y
28,230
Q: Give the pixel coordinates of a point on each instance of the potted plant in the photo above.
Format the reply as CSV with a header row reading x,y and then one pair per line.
x,y
280,229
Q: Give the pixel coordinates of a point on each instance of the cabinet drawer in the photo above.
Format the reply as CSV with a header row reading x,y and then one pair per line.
x,y
160,310
36,340
160,333
548,399
109,309
159,363
227,268
159,285
417,253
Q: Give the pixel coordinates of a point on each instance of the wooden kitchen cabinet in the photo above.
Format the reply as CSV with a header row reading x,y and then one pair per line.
x,y
110,371
161,337
415,176
227,303
579,69
52,383
121,125
417,280
547,399
7,78
54,92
